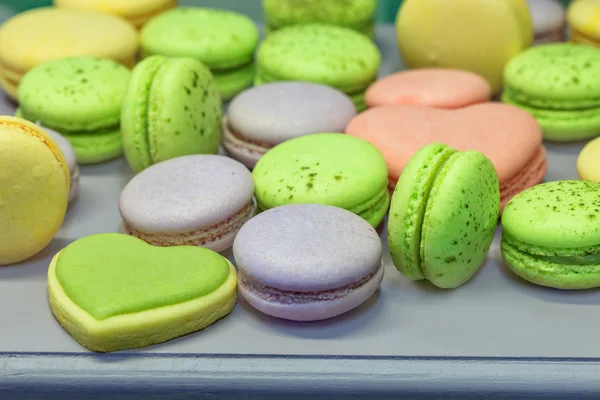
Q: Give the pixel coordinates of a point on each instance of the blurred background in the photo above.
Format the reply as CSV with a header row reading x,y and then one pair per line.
x,y
252,8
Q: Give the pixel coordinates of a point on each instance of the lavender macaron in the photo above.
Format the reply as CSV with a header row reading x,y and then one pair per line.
x,y
197,200
264,116
307,262
67,148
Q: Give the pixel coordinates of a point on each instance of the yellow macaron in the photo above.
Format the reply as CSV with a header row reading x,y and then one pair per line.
x,y
588,162
138,12
34,189
473,35
45,34
583,17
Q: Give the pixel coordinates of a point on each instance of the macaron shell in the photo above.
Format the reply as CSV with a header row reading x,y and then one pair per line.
x,y
507,135
547,16
231,82
276,112
45,34
582,16
220,39
460,219
96,147
326,54
186,194
34,188
328,168
307,248
317,310
558,214
588,162
432,87
71,159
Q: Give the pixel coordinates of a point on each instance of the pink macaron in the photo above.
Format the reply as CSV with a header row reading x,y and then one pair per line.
x,y
510,137
431,87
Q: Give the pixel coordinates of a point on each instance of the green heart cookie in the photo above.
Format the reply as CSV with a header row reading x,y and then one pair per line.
x,y
108,281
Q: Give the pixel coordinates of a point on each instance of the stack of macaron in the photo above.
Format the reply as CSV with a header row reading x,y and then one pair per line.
x,y
319,158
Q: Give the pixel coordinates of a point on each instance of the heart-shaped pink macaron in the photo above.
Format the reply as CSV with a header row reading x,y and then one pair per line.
x,y
510,137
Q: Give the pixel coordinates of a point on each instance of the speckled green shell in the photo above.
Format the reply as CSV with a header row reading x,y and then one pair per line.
x,y
443,215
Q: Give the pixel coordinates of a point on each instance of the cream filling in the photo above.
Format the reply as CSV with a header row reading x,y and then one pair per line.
x,y
199,237
274,295
532,175
234,139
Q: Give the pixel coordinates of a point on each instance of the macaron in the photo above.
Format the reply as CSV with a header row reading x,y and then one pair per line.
x,y
549,19
70,157
114,292
430,87
266,115
44,34
224,41
136,12
171,108
473,35
81,98
508,136
324,168
588,161
198,200
443,215
550,235
307,262
558,84
319,53
354,14
34,189
583,22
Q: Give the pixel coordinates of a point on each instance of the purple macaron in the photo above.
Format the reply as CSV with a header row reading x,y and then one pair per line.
x,y
266,115
197,200
307,262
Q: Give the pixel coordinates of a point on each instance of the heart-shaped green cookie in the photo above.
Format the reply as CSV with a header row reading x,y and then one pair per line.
x,y
113,291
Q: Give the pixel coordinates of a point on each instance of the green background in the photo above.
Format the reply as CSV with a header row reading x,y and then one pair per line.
x,y
386,11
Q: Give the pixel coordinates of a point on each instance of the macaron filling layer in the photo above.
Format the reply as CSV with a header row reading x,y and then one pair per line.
x,y
287,297
370,210
233,138
203,237
533,173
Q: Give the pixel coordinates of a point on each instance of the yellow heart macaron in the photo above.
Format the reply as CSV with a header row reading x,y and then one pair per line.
x,y
34,189
43,34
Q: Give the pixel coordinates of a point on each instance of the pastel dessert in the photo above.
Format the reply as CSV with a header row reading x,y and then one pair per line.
x,y
266,115
136,12
430,87
508,136
474,35
224,41
443,215
549,19
34,189
71,159
81,98
326,54
354,14
551,237
307,262
557,84
324,168
588,162
44,34
114,292
198,200
172,108
582,18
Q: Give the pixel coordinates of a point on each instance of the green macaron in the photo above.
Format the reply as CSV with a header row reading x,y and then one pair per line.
x,y
223,40
443,215
551,234
172,108
354,14
324,168
326,54
81,98
558,84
